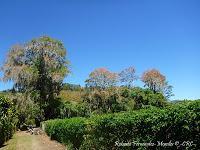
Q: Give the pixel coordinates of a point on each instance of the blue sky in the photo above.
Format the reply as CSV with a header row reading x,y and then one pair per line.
x,y
162,34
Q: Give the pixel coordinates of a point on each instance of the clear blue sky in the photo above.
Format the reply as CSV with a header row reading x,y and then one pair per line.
x,y
162,34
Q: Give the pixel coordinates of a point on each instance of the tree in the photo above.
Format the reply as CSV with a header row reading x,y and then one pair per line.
x,y
103,101
102,78
71,87
154,80
127,76
38,65
145,98
167,90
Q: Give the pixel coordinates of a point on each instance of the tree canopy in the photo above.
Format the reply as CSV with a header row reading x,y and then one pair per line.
x,y
38,65
127,76
102,78
153,79
157,82
40,57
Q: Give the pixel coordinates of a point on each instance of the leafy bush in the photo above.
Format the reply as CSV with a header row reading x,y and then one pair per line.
x,y
68,131
68,109
104,101
179,122
145,97
176,123
122,99
27,111
7,119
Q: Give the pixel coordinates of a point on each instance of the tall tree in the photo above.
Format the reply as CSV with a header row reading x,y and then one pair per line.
x,y
127,76
101,78
154,80
38,65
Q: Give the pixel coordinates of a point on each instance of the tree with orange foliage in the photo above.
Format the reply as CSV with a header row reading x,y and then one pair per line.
x,y
102,78
154,80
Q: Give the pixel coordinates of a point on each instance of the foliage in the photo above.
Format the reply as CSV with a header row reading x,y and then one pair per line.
x,y
167,90
26,110
38,65
101,78
68,109
153,79
71,96
156,82
103,101
67,131
179,122
122,99
71,87
144,98
7,119
127,76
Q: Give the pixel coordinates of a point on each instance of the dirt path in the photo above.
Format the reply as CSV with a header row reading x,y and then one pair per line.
x,y
25,141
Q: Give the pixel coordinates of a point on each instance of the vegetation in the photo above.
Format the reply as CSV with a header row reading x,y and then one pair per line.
x,y
122,99
7,119
127,76
178,122
156,82
71,87
40,66
101,78
68,131
109,108
27,111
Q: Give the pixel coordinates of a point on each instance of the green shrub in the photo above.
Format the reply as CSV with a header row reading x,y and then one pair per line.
x,y
179,122
176,123
68,131
68,110
145,97
7,119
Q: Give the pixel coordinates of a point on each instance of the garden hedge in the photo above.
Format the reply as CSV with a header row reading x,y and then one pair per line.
x,y
67,131
176,123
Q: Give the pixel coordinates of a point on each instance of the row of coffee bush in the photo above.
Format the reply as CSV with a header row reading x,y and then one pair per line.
x,y
174,127
7,119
